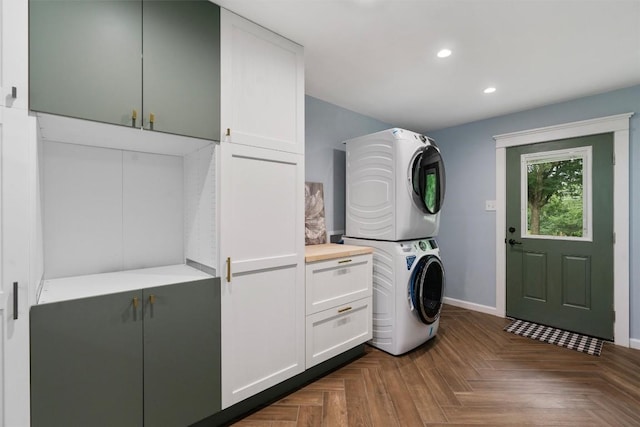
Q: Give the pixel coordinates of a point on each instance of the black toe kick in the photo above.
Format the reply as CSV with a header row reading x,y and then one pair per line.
x,y
262,399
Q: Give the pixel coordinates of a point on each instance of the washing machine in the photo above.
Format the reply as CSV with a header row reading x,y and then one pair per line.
x,y
395,185
408,288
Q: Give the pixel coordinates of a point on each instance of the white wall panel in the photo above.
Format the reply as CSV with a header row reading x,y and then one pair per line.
x,y
152,212
200,206
35,208
82,210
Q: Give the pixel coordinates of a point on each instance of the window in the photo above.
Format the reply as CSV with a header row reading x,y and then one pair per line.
x,y
556,194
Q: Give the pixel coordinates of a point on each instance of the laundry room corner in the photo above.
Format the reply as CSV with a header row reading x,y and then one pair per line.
x,y
468,231
326,127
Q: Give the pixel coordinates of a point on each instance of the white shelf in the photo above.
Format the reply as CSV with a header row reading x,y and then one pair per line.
x,y
85,132
69,288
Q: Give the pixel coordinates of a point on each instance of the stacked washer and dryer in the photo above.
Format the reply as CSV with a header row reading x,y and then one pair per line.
x,y
395,185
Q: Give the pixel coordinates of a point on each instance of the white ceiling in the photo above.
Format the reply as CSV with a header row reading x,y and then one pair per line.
x,y
378,57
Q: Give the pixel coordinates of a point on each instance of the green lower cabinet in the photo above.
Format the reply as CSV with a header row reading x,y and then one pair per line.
x,y
181,353
86,362
144,358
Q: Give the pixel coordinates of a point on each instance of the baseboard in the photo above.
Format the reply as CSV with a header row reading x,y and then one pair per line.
x,y
634,343
472,306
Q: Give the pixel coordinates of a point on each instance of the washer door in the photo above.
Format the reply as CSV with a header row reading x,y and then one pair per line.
x,y
428,179
426,289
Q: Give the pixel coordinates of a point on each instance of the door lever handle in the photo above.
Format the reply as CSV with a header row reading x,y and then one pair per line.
x,y
514,242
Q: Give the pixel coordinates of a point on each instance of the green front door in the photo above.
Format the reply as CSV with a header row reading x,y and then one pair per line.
x,y
560,234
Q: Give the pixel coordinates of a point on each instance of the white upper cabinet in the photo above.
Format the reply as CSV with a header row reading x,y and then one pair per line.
x,y
262,86
13,54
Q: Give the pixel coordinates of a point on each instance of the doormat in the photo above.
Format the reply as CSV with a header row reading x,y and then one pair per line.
x,y
570,340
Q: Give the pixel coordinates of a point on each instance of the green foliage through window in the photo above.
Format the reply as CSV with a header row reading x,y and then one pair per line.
x,y
555,198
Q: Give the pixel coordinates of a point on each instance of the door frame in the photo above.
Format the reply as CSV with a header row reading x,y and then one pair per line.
x,y
619,126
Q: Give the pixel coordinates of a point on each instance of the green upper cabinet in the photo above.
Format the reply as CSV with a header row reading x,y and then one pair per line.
x,y
181,73
152,63
84,58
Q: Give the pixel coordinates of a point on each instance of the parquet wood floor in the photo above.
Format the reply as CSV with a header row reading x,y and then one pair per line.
x,y
472,373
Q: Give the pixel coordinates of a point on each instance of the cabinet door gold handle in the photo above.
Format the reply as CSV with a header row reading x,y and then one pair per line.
x,y
134,116
228,269
228,132
344,261
342,310
135,302
152,299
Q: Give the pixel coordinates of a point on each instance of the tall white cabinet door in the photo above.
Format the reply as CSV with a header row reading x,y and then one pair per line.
x,y
262,86
15,188
14,51
262,269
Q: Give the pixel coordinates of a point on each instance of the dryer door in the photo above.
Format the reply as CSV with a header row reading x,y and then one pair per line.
x,y
428,179
426,289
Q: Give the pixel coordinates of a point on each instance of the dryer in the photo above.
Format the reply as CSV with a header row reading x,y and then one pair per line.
x,y
408,289
395,185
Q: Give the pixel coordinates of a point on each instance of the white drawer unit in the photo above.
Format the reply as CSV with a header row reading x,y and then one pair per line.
x,y
336,330
337,281
338,300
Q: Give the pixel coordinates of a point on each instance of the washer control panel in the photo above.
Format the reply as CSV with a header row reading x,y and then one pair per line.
x,y
419,245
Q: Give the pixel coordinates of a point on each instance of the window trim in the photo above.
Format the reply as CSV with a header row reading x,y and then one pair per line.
x,y
586,154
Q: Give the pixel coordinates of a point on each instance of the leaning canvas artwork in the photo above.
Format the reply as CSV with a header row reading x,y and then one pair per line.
x,y
315,229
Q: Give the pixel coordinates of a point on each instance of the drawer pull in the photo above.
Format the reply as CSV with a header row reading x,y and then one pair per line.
x,y
342,310
344,261
228,269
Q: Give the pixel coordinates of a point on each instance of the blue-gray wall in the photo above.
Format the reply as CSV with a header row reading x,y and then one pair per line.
x,y
467,231
326,127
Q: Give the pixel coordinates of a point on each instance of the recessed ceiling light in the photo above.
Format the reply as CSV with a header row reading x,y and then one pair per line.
x,y
444,53
490,90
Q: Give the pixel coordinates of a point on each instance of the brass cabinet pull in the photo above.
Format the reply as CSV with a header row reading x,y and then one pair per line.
x,y
152,120
344,261
134,116
342,310
228,132
152,299
135,302
229,269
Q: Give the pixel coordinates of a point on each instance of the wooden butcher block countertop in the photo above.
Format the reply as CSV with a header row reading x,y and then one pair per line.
x,y
327,251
